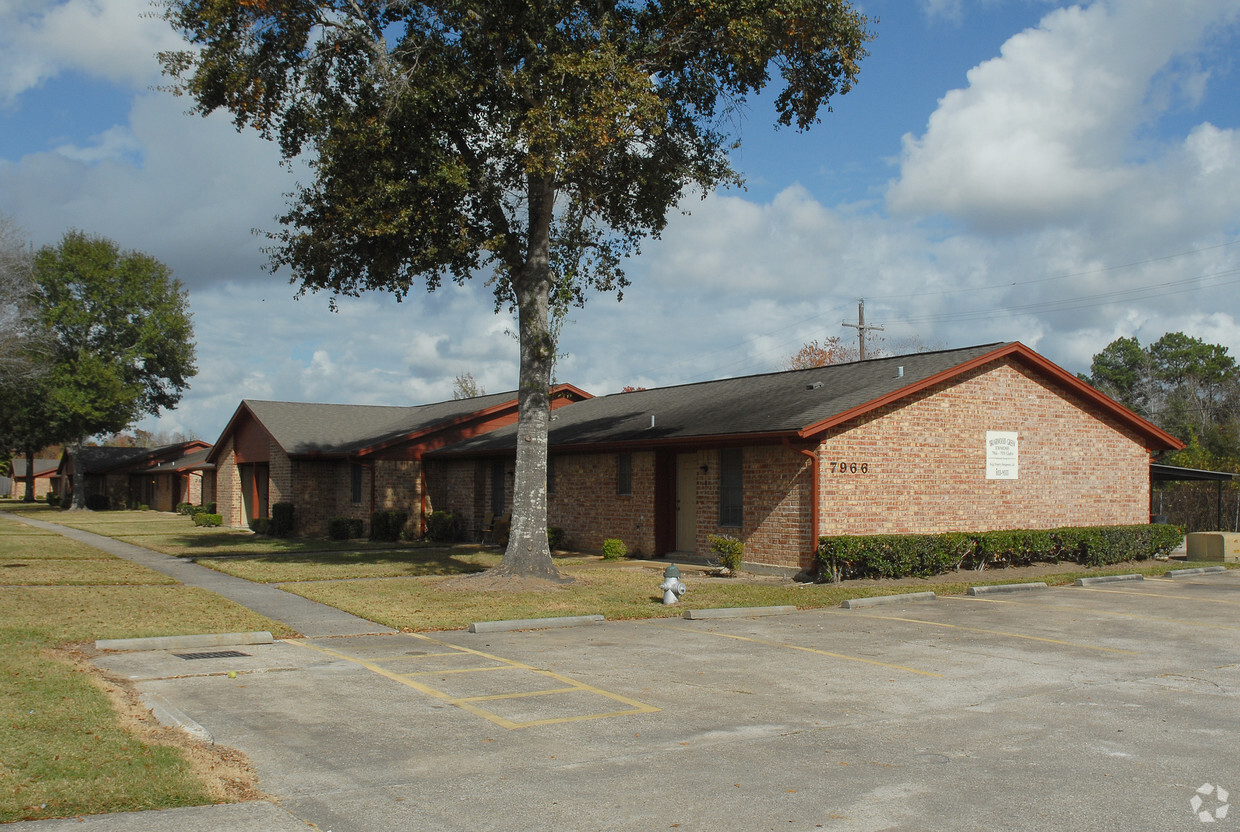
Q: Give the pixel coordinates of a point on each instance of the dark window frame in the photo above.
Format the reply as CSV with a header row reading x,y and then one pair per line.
x,y
355,483
731,487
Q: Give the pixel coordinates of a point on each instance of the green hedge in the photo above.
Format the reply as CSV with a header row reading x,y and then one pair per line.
x,y
444,527
387,525
923,555
281,520
343,528
204,519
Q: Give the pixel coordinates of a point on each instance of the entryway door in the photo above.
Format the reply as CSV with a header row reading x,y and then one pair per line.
x,y
686,503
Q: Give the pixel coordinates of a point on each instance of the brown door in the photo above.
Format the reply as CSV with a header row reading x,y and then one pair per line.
x,y
686,503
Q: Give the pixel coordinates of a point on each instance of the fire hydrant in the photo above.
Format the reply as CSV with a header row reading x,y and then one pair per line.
x,y
672,586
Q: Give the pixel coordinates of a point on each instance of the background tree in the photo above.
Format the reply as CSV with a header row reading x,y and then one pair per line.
x,y
534,141
838,350
465,386
26,422
122,341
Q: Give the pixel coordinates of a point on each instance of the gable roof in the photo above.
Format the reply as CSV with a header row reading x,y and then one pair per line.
x,y
104,458
796,404
42,467
309,429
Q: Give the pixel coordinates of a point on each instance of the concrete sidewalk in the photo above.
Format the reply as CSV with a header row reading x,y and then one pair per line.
x,y
309,618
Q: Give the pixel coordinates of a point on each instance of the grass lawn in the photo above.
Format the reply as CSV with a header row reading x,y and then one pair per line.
x,y
63,750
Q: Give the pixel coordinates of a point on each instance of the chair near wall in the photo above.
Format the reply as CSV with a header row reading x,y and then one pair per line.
x,y
488,529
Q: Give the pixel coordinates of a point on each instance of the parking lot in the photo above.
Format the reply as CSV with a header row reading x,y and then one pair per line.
x,y
1102,707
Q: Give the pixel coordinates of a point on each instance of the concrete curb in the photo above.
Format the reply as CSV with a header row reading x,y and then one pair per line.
x,y
1107,579
1003,589
533,623
884,600
737,612
167,714
183,642
1200,570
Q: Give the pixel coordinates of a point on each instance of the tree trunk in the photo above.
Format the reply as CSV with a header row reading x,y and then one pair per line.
x,y
29,498
79,477
528,555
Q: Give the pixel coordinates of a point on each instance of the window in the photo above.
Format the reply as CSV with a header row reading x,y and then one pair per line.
x,y
355,481
624,474
731,487
497,487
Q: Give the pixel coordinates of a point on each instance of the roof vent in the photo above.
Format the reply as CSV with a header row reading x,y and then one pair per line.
x,y
900,372
813,386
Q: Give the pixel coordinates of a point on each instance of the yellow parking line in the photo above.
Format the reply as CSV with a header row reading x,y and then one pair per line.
x,y
1154,595
770,643
993,632
458,670
466,703
1091,612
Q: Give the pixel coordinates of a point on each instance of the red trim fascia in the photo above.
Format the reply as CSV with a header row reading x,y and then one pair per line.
x,y
1017,350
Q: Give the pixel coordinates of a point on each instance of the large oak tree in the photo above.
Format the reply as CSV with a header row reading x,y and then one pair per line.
x,y
536,142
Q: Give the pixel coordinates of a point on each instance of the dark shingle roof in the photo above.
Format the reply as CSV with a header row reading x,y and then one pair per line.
x,y
774,403
303,428
41,466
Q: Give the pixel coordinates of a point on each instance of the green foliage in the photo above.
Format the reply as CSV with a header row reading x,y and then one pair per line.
x,y
205,519
729,550
97,502
340,528
53,499
387,525
555,537
444,527
614,549
261,525
902,556
281,519
186,508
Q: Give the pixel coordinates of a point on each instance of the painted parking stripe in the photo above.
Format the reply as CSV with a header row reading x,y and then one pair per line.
x,y
1075,644
1161,595
1093,611
467,703
771,643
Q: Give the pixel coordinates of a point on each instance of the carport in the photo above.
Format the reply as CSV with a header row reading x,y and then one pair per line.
x,y
1174,473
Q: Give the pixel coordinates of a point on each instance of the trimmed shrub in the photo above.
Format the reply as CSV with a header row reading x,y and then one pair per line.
x,y
261,525
281,520
443,527
901,556
97,502
728,549
204,519
387,525
186,508
53,499
614,549
555,538
340,528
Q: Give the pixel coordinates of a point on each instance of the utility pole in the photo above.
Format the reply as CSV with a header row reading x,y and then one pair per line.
x,y
862,328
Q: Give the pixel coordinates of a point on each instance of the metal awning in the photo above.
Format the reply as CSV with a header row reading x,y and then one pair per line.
x,y
1174,473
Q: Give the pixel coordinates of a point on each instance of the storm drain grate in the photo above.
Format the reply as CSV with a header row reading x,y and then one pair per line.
x,y
214,654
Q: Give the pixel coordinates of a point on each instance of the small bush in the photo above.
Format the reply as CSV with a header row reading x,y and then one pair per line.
x,y
186,508
281,520
443,527
97,502
204,519
387,525
555,538
614,549
340,528
261,525
728,549
53,499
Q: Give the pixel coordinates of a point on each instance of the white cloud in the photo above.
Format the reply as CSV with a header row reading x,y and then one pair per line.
x,y
112,39
1043,134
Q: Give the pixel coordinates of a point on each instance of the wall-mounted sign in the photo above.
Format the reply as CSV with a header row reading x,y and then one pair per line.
x,y
1002,455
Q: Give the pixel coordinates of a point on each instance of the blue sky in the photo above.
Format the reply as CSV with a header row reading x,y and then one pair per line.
x,y
1057,174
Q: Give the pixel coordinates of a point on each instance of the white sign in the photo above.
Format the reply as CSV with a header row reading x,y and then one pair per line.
x,y
1002,456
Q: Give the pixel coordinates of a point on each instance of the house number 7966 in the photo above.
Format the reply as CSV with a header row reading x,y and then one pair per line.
x,y
842,467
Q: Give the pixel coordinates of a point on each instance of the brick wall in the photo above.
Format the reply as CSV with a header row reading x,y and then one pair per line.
x,y
228,488
925,462
776,491
585,504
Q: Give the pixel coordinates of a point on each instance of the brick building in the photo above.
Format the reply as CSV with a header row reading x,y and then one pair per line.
x,y
44,474
988,437
333,460
160,478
